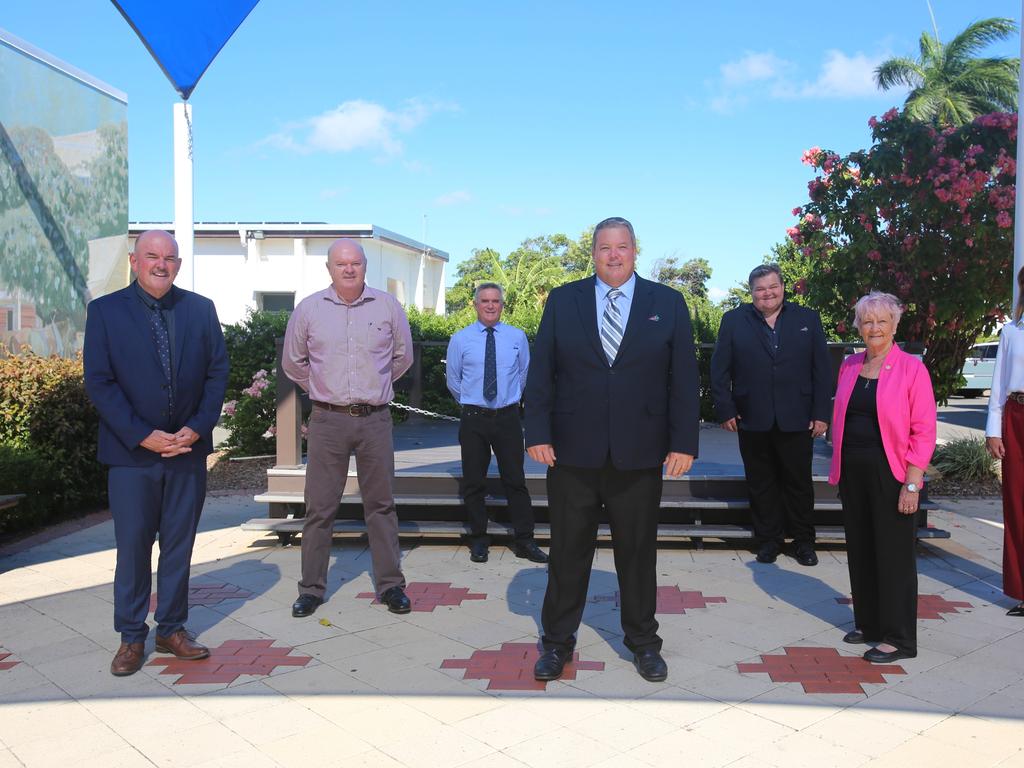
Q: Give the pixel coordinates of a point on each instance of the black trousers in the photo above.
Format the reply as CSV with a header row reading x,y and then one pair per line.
x,y
881,551
778,469
502,432
576,498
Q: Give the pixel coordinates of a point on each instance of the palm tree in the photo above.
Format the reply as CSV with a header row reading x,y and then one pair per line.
x,y
950,84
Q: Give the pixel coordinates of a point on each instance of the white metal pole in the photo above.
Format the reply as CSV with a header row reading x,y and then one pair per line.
x,y
1018,209
184,220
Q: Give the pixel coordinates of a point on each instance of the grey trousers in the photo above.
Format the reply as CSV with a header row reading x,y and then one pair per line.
x,y
333,437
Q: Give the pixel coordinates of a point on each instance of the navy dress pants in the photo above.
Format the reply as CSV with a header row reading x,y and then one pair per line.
x,y
162,500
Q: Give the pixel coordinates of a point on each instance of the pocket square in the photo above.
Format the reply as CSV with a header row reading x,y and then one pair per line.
x,y
654,318
804,328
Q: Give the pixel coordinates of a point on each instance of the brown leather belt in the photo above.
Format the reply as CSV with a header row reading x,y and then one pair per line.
x,y
1017,397
356,409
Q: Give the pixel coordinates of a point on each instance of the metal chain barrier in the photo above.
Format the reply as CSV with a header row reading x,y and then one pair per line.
x,y
421,412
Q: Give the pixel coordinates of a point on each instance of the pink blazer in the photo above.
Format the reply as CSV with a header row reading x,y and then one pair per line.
x,y
906,411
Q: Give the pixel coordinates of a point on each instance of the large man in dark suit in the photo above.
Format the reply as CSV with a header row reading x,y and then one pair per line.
x,y
771,381
156,370
611,397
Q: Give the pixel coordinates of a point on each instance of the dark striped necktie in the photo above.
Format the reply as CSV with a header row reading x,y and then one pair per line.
x,y
611,326
490,368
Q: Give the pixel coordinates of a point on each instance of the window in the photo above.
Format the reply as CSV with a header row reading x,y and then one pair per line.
x,y
275,302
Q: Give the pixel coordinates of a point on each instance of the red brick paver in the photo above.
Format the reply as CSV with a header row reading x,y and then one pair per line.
x,y
427,595
4,664
928,606
822,670
670,600
229,660
511,668
209,593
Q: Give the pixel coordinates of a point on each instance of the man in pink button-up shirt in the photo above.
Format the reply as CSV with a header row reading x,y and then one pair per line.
x,y
346,345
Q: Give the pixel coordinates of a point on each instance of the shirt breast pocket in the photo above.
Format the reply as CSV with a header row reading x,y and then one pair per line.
x,y
375,336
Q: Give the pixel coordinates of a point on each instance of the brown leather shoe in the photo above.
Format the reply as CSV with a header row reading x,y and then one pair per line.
x,y
128,659
182,645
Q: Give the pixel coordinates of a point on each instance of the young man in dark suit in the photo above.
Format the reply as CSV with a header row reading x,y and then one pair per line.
x,y
611,397
772,382
156,370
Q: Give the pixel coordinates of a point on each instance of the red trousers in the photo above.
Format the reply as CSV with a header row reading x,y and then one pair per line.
x,y
1013,500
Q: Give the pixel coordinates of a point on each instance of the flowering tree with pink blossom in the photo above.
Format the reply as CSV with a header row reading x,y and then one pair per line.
x,y
251,419
924,214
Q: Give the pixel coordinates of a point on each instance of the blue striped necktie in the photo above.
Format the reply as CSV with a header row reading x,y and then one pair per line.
x,y
611,326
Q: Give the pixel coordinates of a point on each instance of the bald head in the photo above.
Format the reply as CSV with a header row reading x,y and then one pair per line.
x,y
346,264
155,262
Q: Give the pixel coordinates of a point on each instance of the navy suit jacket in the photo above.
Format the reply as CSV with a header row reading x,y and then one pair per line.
x,y
790,388
636,410
125,381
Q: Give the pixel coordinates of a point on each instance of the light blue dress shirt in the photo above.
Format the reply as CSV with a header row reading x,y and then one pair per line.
x,y
465,365
624,302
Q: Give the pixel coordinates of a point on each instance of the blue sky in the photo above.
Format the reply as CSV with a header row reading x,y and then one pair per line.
x,y
500,122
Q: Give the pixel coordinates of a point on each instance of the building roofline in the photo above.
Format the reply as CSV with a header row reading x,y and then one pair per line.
x,y
296,229
25,47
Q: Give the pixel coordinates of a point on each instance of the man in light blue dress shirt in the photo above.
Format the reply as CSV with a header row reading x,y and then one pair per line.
x,y
486,371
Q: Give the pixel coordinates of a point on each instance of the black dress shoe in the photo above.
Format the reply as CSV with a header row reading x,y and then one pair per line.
x,y
478,551
551,663
768,552
876,656
396,600
805,555
530,551
854,637
1017,610
306,605
650,665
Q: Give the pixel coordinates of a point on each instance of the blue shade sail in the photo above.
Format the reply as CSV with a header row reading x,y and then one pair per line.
x,y
184,36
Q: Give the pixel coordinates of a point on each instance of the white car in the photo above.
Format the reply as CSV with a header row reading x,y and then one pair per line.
x,y
978,368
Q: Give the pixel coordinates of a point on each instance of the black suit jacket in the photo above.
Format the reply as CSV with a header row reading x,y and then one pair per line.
x,y
636,410
791,388
125,381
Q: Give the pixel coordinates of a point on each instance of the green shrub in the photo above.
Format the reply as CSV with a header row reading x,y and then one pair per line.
x,y
44,411
251,347
965,459
24,471
251,418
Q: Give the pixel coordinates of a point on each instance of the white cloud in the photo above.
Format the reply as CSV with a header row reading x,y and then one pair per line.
x,y
756,74
522,210
753,67
355,125
716,294
452,198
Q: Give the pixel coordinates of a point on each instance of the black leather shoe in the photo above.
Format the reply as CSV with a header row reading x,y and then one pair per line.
x,y
854,637
805,555
306,605
1017,610
768,552
478,552
396,601
530,551
650,665
551,663
876,656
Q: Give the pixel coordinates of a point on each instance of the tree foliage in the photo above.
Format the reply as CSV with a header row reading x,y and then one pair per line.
x,y
925,215
950,84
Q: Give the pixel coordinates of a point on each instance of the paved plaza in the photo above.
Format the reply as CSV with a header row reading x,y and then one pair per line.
x,y
758,673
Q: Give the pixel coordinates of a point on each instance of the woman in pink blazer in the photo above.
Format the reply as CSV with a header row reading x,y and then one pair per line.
x,y
883,436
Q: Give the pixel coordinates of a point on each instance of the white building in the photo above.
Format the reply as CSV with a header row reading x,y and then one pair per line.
x,y
275,265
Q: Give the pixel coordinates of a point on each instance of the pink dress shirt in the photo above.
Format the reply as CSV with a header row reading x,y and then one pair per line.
x,y
348,353
906,411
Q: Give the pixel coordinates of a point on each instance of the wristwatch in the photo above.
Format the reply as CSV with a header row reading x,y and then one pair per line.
x,y
912,488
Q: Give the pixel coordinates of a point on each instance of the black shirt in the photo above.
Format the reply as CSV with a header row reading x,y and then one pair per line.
x,y
861,433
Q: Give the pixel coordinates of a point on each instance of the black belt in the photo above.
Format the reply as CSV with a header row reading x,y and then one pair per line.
x,y
356,409
1017,397
476,410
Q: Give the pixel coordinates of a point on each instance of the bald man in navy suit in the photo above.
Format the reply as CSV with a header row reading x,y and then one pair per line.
x,y
611,399
156,370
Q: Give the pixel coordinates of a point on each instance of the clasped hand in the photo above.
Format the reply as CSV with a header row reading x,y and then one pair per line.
x,y
168,444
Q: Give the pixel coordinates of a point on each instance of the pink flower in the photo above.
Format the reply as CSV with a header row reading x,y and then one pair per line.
x,y
874,255
890,115
841,326
797,211
229,407
810,156
800,286
1003,220
970,242
872,121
